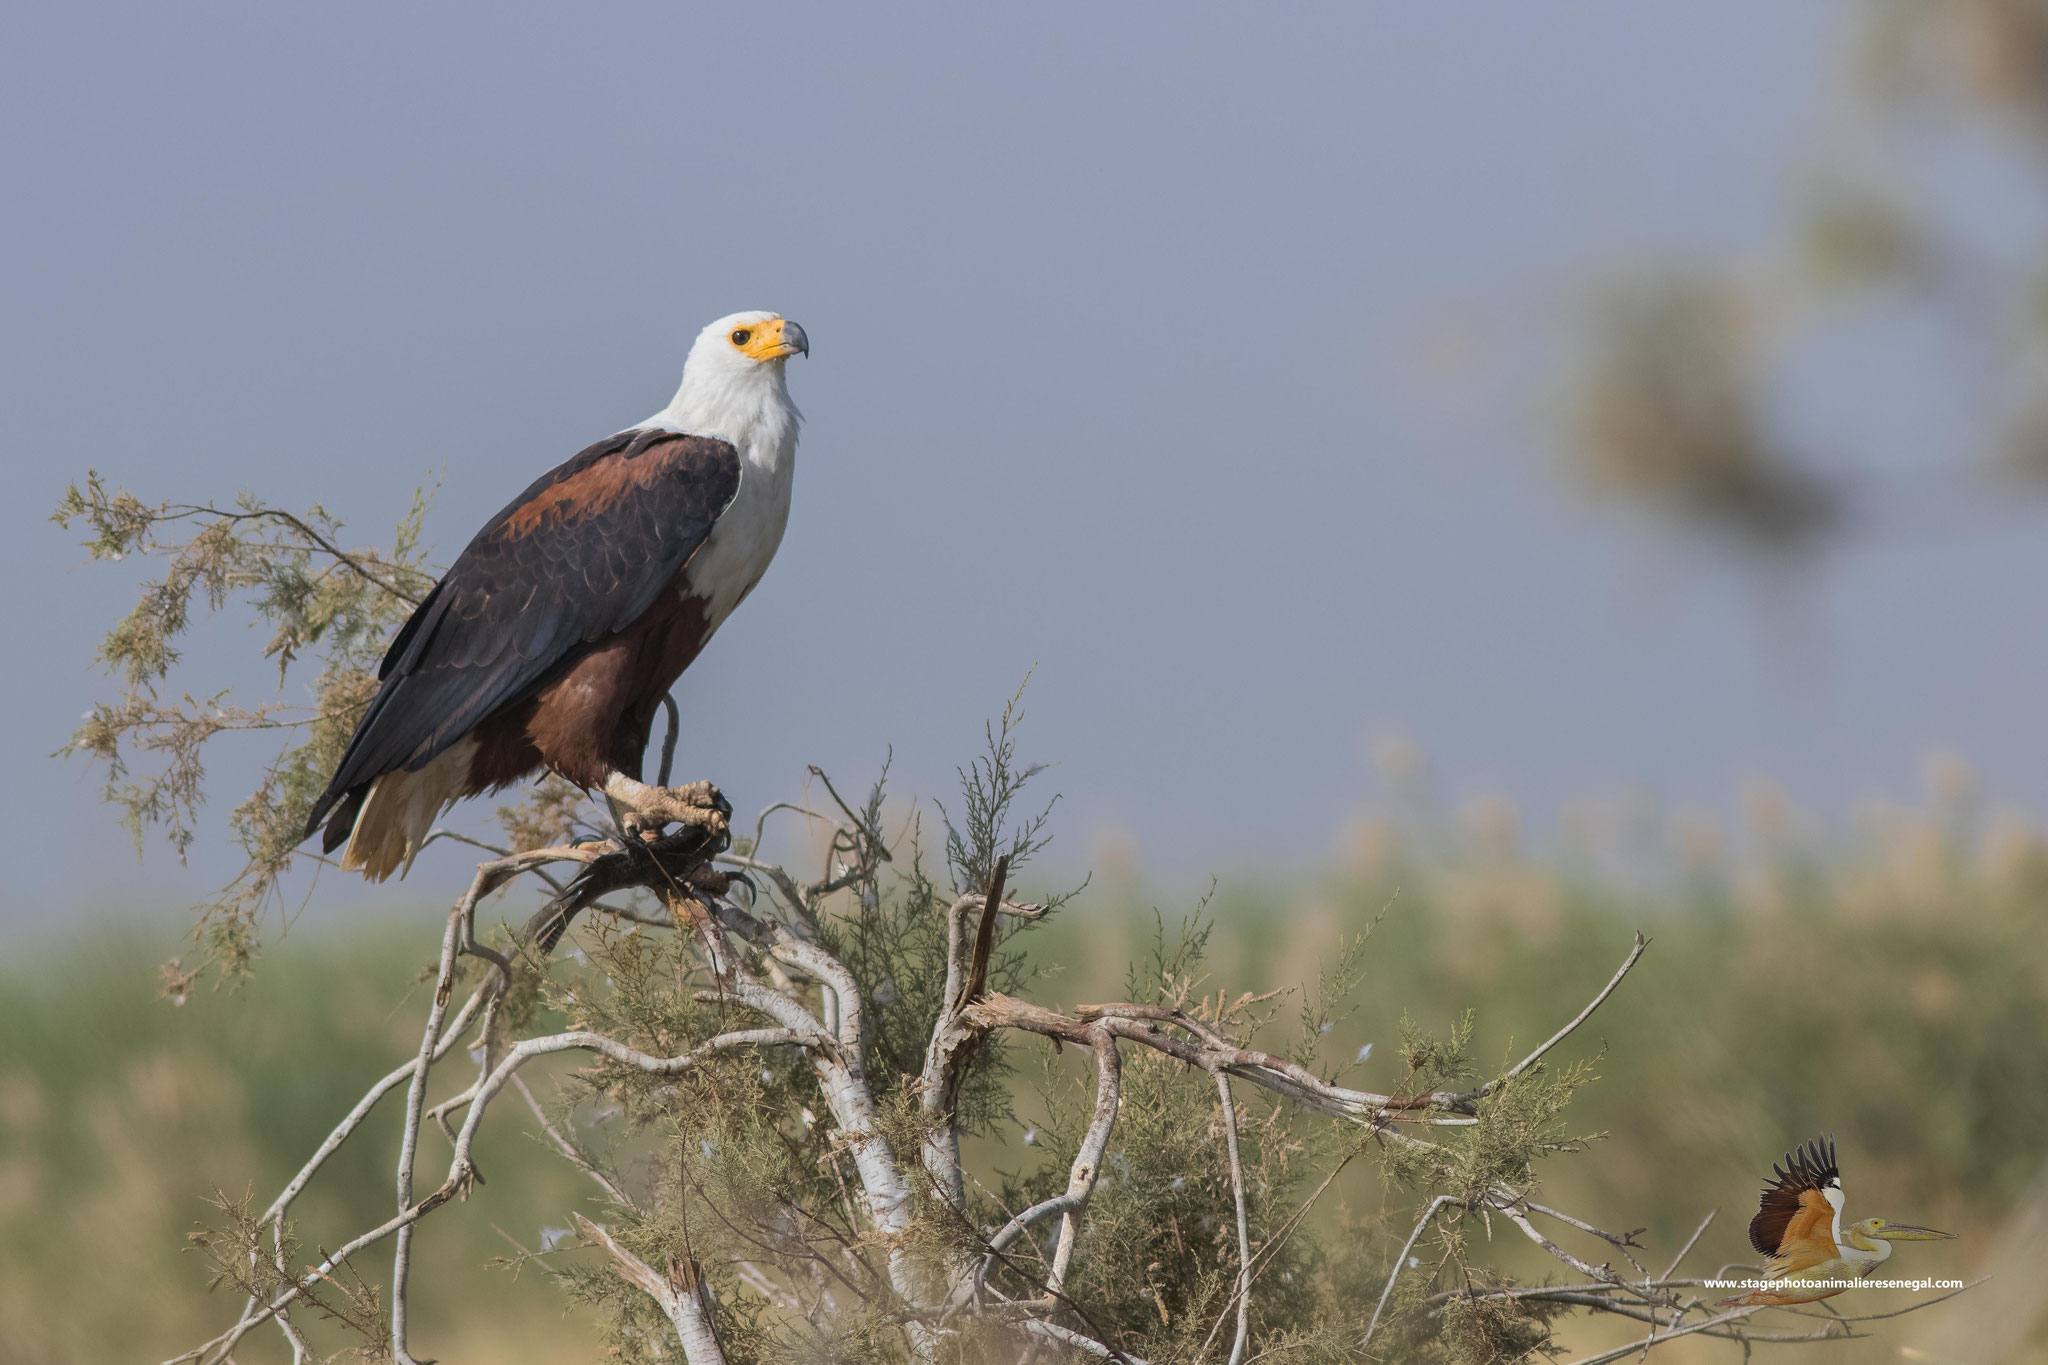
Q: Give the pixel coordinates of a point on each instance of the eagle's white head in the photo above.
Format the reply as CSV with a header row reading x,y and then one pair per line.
x,y
734,387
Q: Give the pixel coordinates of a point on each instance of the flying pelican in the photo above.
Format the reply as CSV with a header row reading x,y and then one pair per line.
x,y
1798,1226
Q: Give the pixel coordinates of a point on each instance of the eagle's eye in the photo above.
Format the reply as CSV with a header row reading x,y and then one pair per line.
x,y
741,337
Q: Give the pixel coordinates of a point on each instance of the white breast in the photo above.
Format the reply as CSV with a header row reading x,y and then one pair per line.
x,y
747,405
743,541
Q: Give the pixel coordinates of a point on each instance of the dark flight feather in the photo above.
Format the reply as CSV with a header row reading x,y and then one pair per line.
x,y
578,556
1810,1168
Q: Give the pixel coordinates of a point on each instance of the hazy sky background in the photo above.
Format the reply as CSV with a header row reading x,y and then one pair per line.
x,y
1207,358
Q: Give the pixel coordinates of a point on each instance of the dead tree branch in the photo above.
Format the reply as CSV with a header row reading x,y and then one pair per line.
x,y
812,1004
684,1297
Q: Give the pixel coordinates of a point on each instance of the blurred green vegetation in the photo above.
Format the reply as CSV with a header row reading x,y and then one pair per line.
x,y
120,1115
1889,986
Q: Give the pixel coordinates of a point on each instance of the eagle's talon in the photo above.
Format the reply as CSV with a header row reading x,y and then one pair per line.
x,y
702,795
698,804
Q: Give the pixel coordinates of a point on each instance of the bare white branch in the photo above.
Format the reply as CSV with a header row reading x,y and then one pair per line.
x,y
1505,1202
1067,1336
416,1096
1087,1167
682,1294
1428,1216
1244,1237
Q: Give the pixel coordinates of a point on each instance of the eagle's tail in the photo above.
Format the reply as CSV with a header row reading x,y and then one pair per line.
x,y
398,810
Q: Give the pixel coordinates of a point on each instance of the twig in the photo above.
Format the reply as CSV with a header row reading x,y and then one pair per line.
x,y
1067,1336
1519,1067
415,1100
1243,1296
1206,1050
1621,1243
1916,1307
569,1150
279,514
453,1034
1530,1291
301,1352
1298,1217
872,837
1428,1216
1686,1250
252,1312
1659,1338
799,905
954,1040
1505,1200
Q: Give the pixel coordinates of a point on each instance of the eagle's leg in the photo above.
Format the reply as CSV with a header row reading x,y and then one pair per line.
x,y
625,831
648,809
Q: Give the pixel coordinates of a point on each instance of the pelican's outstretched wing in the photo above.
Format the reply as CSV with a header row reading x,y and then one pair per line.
x,y
1794,1223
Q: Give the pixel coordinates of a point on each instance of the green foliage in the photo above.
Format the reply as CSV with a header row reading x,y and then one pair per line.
x,y
1491,1331
257,1260
989,788
1156,1266
121,1117
723,1165
311,595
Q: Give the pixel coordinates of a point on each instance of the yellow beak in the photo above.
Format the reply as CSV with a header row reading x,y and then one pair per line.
x,y
776,338
1906,1232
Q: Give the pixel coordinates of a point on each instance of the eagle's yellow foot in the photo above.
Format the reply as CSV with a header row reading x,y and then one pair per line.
x,y
651,809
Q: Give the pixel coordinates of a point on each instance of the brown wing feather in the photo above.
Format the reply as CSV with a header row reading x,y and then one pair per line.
x,y
1785,1201
577,558
1809,1237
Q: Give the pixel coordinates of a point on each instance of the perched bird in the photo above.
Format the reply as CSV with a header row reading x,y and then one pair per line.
x,y
1798,1226
553,638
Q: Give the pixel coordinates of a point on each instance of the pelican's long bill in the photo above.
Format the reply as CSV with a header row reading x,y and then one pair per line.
x,y
1906,1232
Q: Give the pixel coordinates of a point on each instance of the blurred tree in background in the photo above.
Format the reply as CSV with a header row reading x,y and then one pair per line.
x,y
1679,404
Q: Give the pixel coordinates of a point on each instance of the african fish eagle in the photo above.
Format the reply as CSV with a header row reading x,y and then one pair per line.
x,y
553,638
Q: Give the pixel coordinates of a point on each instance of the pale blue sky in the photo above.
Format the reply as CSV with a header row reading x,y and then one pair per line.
x,y
1132,338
